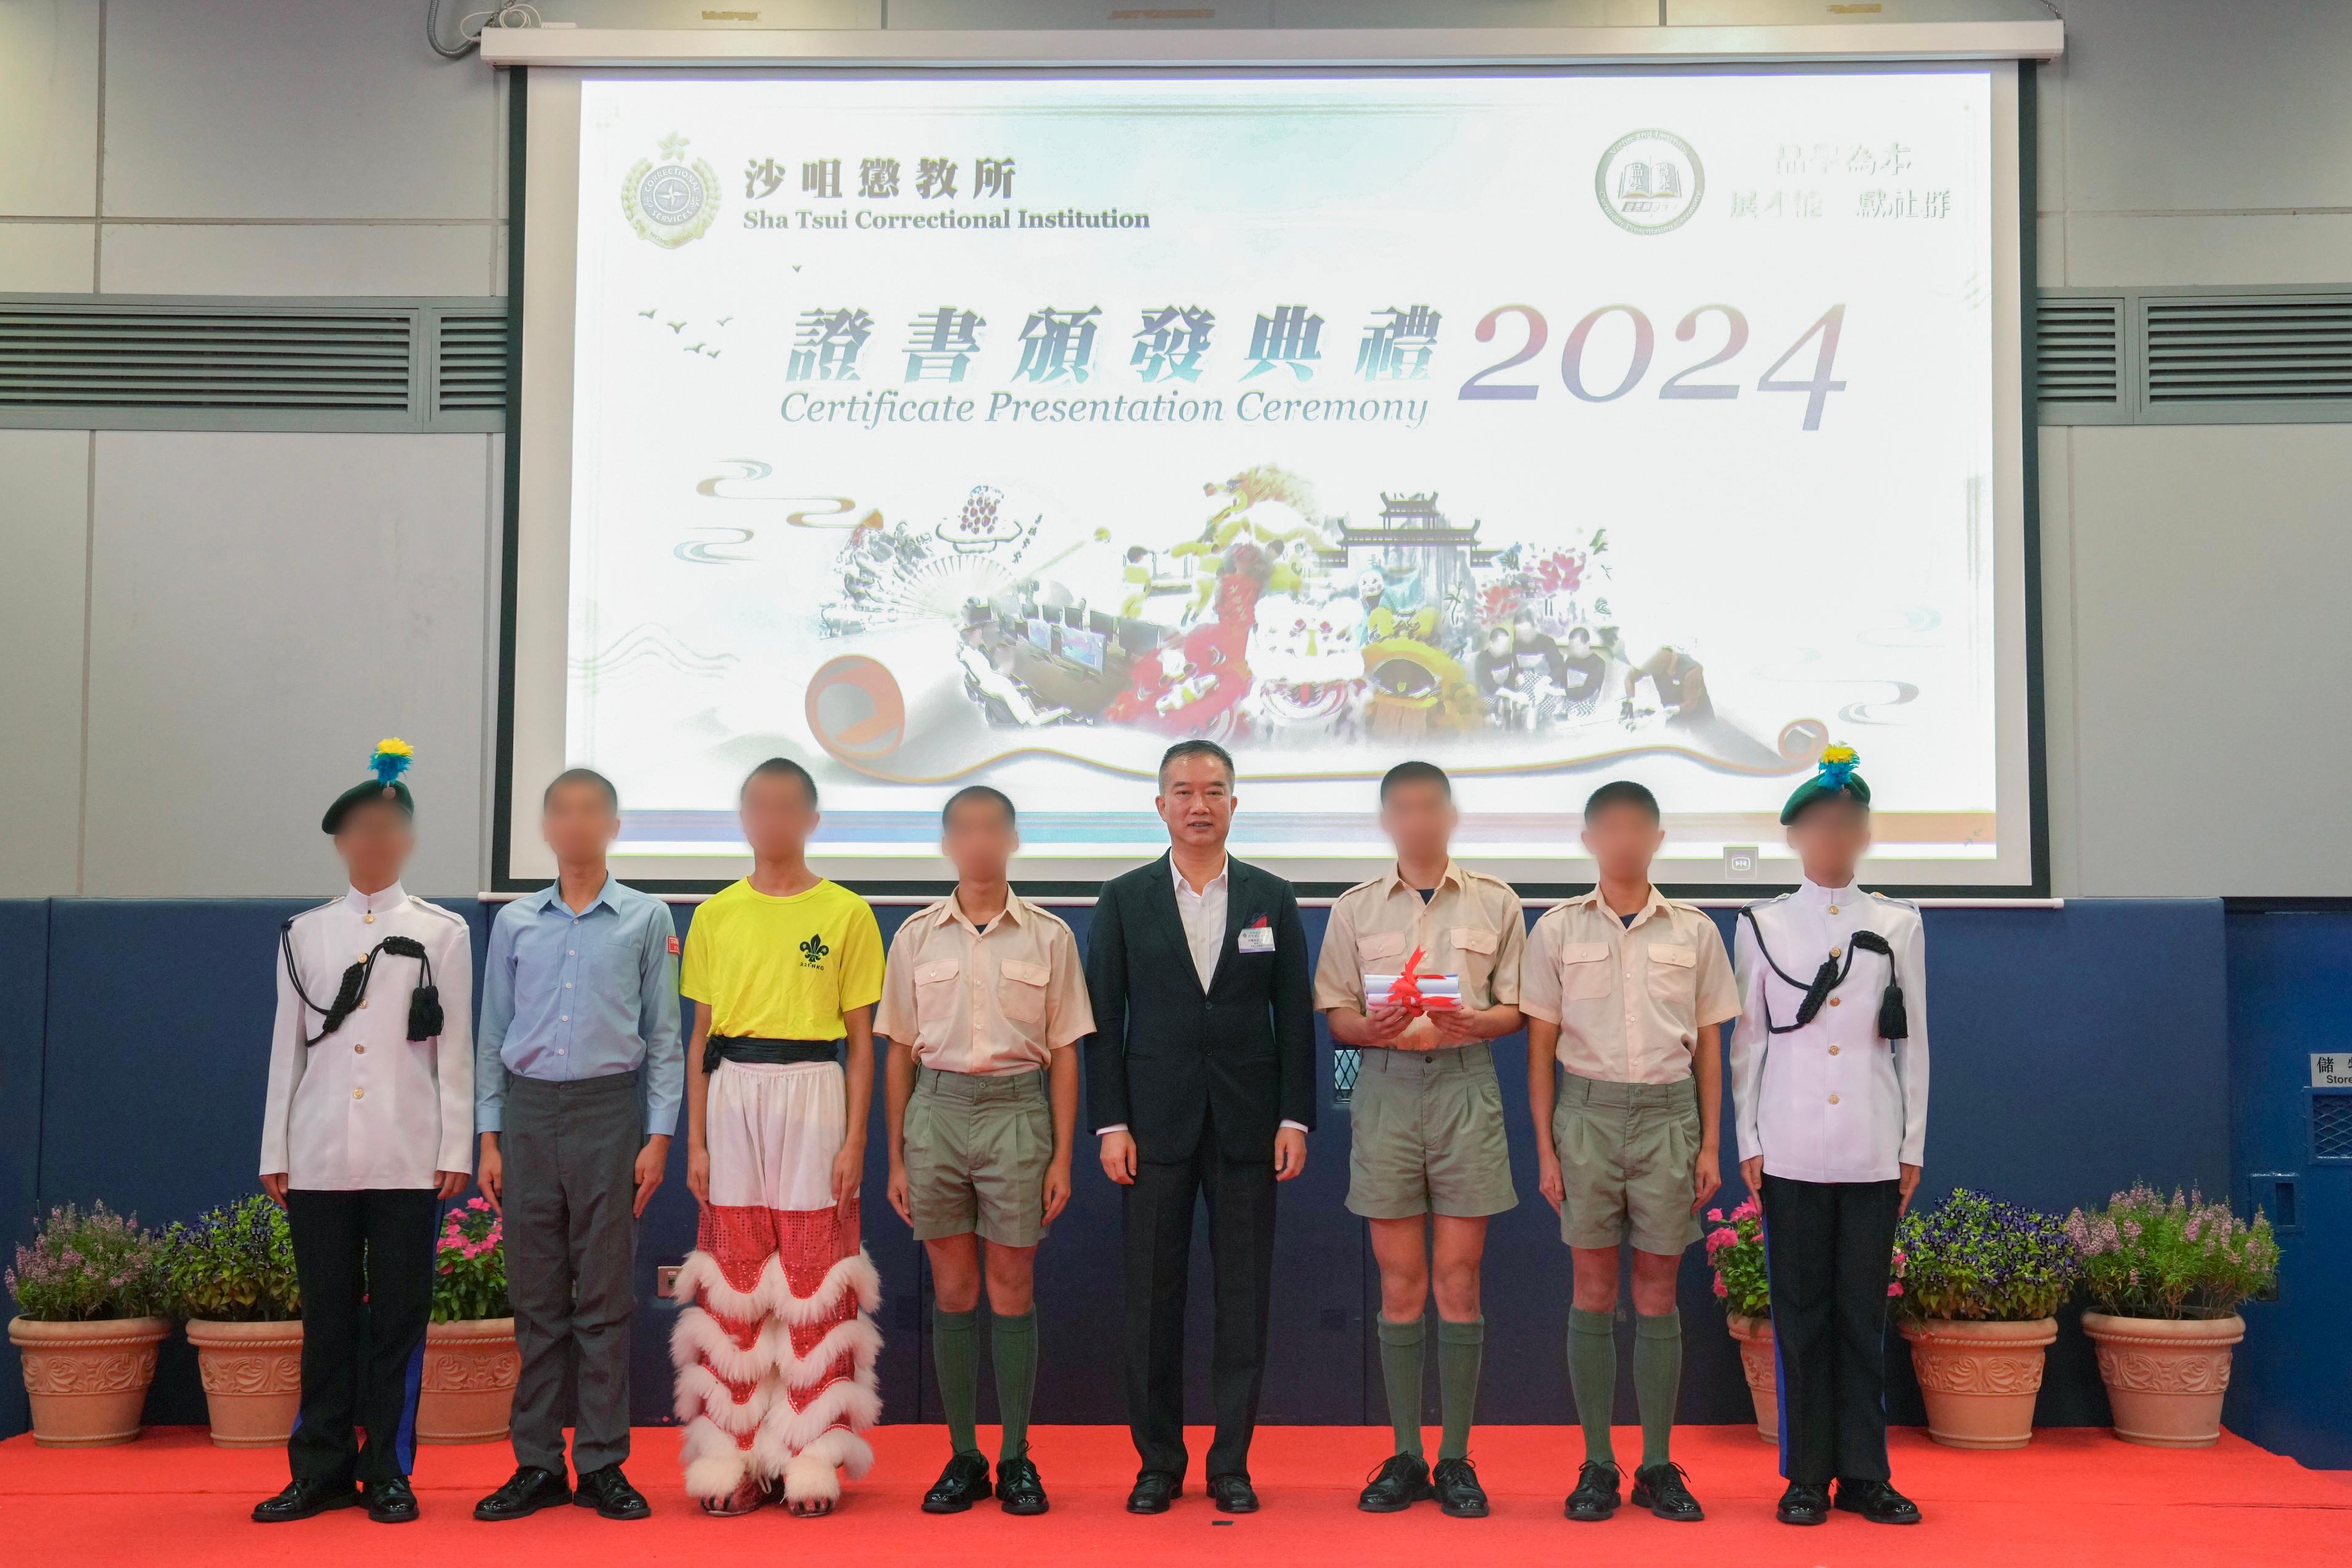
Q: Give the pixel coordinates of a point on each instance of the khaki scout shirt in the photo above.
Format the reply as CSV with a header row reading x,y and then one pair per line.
x,y
1472,929
1629,1001
1003,999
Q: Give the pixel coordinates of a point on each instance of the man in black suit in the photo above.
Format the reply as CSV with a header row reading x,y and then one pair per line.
x,y
1200,1078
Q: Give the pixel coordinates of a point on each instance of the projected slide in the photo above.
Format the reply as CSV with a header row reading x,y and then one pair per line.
x,y
1548,427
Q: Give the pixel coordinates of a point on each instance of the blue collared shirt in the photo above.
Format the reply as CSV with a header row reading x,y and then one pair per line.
x,y
567,996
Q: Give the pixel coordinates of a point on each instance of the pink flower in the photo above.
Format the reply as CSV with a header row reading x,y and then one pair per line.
x,y
1894,1287
1716,1215
1719,1289
479,1203
1717,1241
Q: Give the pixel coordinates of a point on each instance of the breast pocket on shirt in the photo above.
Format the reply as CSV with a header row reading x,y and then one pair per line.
x,y
1673,974
1380,954
935,989
1474,957
1583,970
1021,990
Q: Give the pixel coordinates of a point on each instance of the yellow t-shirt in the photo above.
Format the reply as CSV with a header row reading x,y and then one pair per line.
x,y
783,969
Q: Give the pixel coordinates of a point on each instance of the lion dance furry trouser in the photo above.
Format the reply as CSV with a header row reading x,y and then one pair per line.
x,y
775,1341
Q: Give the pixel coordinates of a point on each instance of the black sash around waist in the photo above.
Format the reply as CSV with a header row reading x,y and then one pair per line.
x,y
745,1048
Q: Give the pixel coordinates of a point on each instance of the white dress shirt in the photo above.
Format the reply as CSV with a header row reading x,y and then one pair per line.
x,y
1833,1102
367,1106
1203,915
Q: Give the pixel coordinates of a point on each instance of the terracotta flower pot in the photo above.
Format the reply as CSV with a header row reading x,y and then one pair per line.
x,y
469,1382
2166,1376
87,1380
1755,1337
1980,1378
253,1379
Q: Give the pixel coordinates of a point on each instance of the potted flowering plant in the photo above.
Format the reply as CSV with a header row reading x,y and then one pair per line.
x,y
1980,1299
1735,1250
89,1320
231,1276
470,1360
2166,1279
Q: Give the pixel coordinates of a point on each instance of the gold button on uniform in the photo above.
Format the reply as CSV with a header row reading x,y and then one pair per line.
x,y
1832,1099
1834,1051
359,1093
1832,909
1834,952
370,918
362,1050
1835,1000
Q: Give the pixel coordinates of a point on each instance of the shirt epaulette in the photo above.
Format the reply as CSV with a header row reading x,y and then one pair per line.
x,y
1364,885
449,914
313,910
1686,906
1768,903
1048,915
1899,903
1488,876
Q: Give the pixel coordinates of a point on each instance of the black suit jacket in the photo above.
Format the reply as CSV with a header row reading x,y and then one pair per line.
x,y
1165,1054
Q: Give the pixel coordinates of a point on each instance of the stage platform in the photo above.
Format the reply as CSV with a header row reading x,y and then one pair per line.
x,y
2077,1497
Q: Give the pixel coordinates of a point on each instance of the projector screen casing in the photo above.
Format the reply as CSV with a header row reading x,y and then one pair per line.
x,y
531,743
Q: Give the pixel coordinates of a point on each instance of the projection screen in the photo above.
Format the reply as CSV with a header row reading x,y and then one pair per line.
x,y
1555,426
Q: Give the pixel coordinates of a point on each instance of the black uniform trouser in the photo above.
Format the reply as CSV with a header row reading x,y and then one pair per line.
x,y
571,1153
1828,1252
364,1262
1156,1216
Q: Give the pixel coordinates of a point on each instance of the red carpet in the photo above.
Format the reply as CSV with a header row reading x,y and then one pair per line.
x,y
2075,1496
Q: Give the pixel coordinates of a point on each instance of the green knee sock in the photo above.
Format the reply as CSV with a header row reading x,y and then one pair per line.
x,y
1012,1343
1657,1375
955,1351
1459,1348
1593,1378
1400,1372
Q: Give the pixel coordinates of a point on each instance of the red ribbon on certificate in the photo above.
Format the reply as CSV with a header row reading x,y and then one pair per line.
x,y
1404,991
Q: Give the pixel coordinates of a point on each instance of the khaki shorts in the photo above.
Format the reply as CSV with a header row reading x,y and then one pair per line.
x,y
977,1149
1428,1135
1626,1157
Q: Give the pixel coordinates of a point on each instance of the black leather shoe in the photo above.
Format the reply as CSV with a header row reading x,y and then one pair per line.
x,y
1877,1502
1459,1495
1400,1482
1803,1503
1233,1494
1019,1488
1154,1491
608,1491
392,1503
1595,1496
301,1499
526,1492
1661,1490
961,1484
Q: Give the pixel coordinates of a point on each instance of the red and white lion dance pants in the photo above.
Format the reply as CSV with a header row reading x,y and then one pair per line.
x,y
775,1344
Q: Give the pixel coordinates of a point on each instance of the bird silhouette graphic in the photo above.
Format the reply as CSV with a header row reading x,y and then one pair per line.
x,y
676,326
724,319
712,352
694,349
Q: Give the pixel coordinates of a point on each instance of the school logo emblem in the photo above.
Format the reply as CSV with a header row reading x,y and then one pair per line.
x,y
671,201
812,952
1649,182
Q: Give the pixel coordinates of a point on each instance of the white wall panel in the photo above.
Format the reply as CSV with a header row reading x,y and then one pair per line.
x,y
291,108
46,258
2113,249
298,258
2211,657
2175,105
263,608
45,519
49,107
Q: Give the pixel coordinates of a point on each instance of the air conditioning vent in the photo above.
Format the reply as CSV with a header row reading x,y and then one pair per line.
x,y
2249,349
470,374
2078,351
100,356
80,362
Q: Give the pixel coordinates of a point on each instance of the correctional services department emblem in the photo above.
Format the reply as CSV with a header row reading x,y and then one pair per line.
x,y
671,201
1649,182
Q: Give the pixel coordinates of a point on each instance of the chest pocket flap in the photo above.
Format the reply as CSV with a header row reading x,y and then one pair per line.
x,y
1475,939
1583,970
1680,958
1021,989
1385,945
938,969
935,989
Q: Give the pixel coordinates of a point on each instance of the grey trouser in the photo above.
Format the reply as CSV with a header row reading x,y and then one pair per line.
x,y
570,1151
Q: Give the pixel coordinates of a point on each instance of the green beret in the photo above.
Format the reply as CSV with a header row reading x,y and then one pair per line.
x,y
1834,778
386,763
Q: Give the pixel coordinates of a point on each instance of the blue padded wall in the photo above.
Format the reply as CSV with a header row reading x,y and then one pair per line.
x,y
2074,1050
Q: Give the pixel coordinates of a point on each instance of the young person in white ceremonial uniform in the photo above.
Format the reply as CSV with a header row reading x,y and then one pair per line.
x,y
1428,1160
1829,1072
1625,994
775,1340
369,1125
984,994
